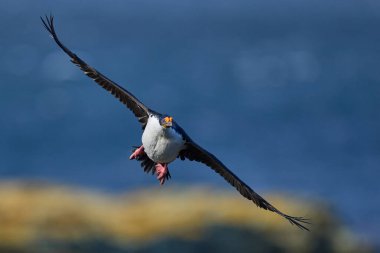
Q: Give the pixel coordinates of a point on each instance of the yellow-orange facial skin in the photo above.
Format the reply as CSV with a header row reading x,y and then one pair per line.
x,y
167,122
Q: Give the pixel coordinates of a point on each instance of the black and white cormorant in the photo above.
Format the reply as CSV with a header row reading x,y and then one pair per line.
x,y
163,140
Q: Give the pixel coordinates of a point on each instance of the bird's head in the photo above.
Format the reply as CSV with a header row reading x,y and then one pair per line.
x,y
166,121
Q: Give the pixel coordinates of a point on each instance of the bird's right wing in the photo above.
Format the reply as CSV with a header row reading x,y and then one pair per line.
x,y
194,152
139,109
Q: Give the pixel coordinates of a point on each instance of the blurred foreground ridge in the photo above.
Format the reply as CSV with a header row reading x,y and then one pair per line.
x,y
38,217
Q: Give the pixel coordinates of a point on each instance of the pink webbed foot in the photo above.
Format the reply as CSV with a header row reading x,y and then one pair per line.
x,y
138,152
162,172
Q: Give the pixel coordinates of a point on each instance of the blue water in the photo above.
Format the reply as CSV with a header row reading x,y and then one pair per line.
x,y
286,94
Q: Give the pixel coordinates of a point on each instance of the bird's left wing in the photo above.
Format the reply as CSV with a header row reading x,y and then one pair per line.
x,y
139,109
194,152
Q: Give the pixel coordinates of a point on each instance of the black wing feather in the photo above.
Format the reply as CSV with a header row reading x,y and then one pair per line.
x,y
194,152
139,109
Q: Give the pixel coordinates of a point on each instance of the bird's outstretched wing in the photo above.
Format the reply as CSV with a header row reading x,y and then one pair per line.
x,y
139,109
194,152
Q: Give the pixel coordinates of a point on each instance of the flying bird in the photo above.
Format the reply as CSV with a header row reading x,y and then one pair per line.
x,y
163,140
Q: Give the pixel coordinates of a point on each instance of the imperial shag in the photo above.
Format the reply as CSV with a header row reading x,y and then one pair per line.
x,y
163,140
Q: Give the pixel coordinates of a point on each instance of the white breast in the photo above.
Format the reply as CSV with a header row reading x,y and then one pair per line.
x,y
162,145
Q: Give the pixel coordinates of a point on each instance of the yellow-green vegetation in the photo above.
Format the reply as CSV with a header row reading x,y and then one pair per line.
x,y
60,219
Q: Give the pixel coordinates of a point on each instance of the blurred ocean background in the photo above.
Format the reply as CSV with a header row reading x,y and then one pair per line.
x,y
285,93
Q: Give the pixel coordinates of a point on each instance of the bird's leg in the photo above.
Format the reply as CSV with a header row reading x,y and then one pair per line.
x,y
138,152
162,172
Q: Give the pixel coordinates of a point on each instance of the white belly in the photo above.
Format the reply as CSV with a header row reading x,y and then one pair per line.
x,y
162,145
